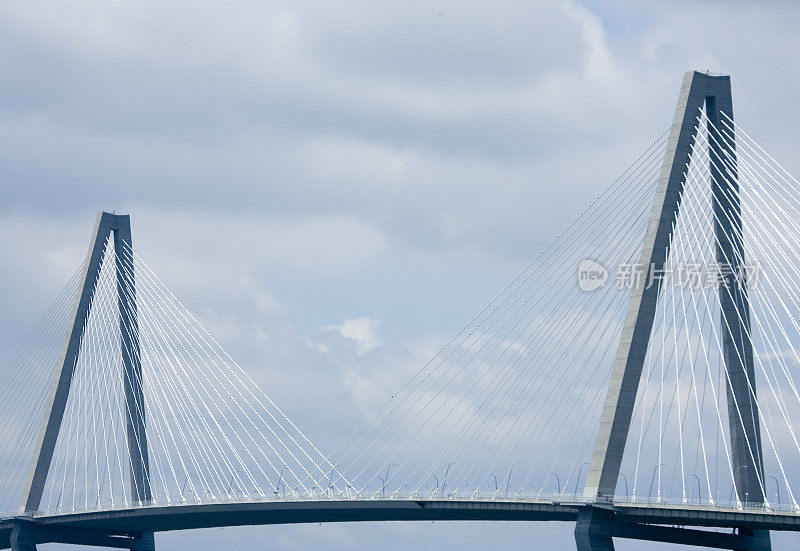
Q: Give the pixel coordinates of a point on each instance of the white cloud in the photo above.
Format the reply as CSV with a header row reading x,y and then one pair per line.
x,y
362,331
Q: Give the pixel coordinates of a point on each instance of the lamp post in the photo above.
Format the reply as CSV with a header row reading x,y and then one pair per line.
x,y
508,480
777,490
558,482
577,480
625,478
280,481
495,481
699,489
437,483
387,477
444,482
183,486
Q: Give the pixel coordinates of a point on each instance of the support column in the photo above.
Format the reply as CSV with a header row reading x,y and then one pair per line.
x,y
597,527
59,392
715,92
23,536
601,480
593,530
105,225
27,533
737,347
131,360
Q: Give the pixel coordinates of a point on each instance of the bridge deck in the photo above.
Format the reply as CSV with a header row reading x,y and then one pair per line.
x,y
182,517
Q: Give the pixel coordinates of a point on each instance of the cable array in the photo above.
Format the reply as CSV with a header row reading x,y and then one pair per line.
x,y
683,449
212,434
518,390
507,409
24,385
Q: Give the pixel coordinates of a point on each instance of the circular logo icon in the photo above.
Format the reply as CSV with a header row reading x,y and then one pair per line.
x,y
591,275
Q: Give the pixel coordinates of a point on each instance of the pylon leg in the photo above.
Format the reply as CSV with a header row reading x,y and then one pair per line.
x,y
22,537
760,542
147,542
593,530
119,225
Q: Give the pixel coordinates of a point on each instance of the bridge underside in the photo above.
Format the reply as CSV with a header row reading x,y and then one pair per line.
x,y
125,528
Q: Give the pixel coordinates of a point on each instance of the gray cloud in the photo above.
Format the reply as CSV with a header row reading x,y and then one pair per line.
x,y
291,165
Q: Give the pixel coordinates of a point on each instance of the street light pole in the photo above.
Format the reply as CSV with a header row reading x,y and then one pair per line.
x,y
508,480
625,478
444,483
387,477
495,481
558,481
699,489
777,490
577,480
437,483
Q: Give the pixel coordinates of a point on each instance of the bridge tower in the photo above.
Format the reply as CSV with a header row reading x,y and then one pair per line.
x,y
107,226
596,525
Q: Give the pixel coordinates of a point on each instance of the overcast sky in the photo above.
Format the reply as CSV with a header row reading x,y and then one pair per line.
x,y
337,188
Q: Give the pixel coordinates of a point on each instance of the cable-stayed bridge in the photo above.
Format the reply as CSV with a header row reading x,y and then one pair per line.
x,y
636,378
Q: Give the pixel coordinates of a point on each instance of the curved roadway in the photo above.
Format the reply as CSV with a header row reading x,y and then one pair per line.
x,y
213,515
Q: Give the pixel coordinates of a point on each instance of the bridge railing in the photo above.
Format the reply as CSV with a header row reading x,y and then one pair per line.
x,y
565,499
